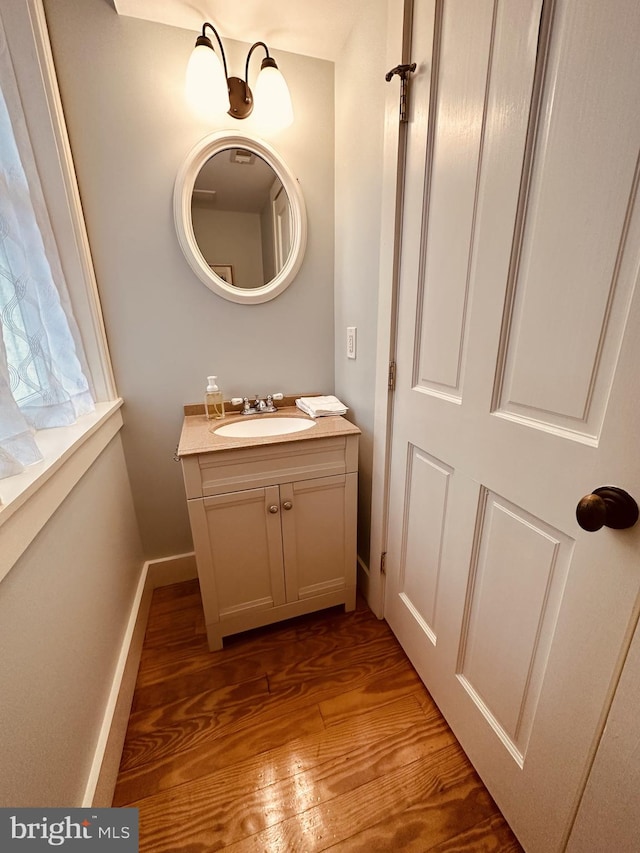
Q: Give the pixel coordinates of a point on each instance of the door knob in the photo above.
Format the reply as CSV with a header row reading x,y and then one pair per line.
x,y
273,509
287,505
607,506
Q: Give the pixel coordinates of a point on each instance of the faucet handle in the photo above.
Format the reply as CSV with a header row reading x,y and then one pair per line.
x,y
270,398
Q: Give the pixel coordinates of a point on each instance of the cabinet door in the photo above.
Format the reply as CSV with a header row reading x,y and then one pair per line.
x,y
239,552
318,535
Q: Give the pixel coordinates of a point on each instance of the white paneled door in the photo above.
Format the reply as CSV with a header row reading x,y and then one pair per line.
x,y
517,385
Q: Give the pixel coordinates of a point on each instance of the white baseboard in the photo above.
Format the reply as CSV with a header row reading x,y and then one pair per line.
x,y
106,761
170,570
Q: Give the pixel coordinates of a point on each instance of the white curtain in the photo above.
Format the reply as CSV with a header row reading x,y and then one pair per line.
x,y
42,380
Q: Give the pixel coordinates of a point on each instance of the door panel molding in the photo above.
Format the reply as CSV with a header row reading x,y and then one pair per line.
x,y
573,237
424,515
453,158
516,581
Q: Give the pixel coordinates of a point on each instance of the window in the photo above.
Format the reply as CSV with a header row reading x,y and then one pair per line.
x,y
24,43
42,381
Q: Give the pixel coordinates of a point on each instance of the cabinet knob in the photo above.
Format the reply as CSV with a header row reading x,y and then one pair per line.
x,y
273,508
287,505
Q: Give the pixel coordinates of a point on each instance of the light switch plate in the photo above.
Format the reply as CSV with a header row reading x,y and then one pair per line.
x,y
351,341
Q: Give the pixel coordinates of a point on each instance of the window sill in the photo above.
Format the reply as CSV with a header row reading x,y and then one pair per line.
x,y
29,499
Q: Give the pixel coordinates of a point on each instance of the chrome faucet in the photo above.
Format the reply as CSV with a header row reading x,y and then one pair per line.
x,y
267,405
259,405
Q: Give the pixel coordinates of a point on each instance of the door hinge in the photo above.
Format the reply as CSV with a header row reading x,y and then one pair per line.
x,y
383,563
403,72
391,383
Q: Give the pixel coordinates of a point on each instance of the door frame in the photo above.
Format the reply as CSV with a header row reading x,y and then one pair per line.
x,y
398,50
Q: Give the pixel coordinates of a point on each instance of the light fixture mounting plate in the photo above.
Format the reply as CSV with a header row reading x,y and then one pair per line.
x,y
240,98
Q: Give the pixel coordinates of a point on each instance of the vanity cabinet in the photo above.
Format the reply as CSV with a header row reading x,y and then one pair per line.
x,y
274,528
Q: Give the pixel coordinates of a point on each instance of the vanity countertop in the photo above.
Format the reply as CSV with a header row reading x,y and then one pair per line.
x,y
198,434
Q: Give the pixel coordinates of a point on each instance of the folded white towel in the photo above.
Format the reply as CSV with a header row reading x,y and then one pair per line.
x,y
318,407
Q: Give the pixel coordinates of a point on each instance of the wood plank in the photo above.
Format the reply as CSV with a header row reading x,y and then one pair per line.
x,y
257,793
176,596
153,761
311,735
491,835
162,731
179,683
336,637
270,648
268,640
171,627
443,780
166,730
216,754
434,826
313,668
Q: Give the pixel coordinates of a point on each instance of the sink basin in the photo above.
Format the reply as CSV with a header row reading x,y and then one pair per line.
x,y
264,426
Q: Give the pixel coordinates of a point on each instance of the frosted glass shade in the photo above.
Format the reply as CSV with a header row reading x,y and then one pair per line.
x,y
272,107
205,85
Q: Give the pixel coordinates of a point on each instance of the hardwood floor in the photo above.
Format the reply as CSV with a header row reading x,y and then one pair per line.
x,y
312,735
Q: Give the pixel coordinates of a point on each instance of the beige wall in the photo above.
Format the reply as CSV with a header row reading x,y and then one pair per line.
x,y
121,81
64,608
65,604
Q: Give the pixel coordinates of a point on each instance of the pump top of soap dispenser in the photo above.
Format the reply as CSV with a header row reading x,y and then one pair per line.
x,y
212,384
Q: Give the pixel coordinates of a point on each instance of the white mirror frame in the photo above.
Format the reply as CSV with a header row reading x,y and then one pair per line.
x,y
212,144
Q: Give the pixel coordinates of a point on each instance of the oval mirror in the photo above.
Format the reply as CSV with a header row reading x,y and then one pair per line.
x,y
240,217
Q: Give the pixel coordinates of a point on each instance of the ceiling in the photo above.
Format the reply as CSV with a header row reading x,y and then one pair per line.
x,y
227,183
317,28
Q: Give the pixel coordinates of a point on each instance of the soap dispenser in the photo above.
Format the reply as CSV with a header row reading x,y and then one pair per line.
x,y
213,400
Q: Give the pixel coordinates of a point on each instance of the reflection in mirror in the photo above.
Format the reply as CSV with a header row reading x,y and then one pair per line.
x,y
241,218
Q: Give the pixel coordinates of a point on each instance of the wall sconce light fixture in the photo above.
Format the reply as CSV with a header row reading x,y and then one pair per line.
x,y
210,90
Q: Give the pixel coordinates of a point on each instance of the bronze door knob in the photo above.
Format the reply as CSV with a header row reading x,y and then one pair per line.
x,y
607,506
